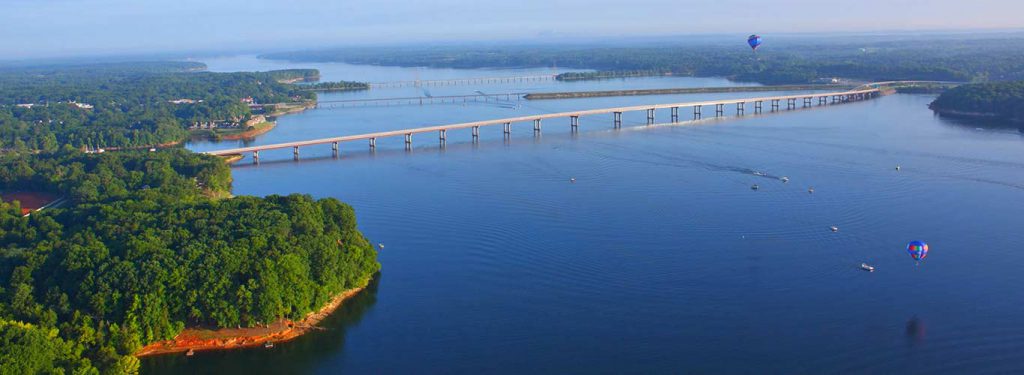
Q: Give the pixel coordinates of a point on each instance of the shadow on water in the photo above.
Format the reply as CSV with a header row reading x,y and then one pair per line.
x,y
297,356
981,123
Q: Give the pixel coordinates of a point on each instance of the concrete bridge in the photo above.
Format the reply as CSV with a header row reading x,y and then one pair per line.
x,y
463,81
774,104
421,100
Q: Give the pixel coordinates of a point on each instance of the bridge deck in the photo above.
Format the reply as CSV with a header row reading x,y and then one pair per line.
x,y
465,125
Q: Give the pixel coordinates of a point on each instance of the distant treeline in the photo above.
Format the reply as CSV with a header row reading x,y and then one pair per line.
x,y
126,105
295,75
793,62
336,86
1002,100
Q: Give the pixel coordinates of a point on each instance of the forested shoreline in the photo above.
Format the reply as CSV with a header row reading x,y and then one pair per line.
x,y
150,246
1002,100
149,243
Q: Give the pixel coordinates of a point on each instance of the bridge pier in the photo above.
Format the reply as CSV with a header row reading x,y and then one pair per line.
x,y
334,149
256,157
574,123
617,120
807,101
696,112
408,141
536,126
791,103
719,110
758,106
476,133
442,136
508,129
675,115
373,143
822,100
775,105
650,116
740,108
295,152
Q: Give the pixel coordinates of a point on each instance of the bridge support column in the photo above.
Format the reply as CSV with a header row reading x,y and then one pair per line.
x,y
650,116
790,103
617,120
740,108
334,149
719,110
508,128
442,136
256,156
758,106
536,126
696,112
821,100
295,152
807,101
373,143
408,141
476,133
675,115
574,123
775,105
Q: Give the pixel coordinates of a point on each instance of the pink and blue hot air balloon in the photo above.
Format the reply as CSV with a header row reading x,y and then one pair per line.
x,y
917,250
754,41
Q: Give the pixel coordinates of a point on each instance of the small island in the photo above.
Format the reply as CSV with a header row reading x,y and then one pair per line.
x,y
1002,101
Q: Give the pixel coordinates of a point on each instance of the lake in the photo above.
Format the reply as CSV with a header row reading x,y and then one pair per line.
x,y
659,258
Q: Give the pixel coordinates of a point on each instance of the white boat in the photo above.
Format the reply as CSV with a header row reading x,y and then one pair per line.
x,y
866,267
190,353
834,228
381,246
784,179
810,190
268,344
755,187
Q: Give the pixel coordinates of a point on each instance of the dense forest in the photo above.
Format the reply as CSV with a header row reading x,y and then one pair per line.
x,y
127,105
791,61
149,246
1002,100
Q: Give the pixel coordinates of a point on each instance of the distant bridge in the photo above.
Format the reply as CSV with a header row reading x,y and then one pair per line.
x,y
421,100
774,102
463,81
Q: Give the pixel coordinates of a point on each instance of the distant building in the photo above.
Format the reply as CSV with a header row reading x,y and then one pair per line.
x,y
182,101
80,105
248,100
26,105
254,120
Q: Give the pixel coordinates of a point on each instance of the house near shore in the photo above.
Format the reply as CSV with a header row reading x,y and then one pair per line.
x,y
184,101
25,105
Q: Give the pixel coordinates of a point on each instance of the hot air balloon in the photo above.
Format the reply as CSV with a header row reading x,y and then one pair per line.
x,y
754,41
917,250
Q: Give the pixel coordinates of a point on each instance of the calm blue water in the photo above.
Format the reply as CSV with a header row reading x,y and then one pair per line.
x,y
660,258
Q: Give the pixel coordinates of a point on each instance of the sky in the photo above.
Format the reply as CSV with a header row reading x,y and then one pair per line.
x,y
62,28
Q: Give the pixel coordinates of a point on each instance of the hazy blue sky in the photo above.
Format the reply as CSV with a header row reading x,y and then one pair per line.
x,y
35,28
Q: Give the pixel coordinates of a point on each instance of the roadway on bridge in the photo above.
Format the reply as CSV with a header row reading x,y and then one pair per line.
x,y
573,114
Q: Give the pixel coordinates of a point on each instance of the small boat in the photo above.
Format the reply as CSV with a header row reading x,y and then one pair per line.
x,y
784,179
380,246
897,167
190,353
834,228
573,180
755,187
810,190
866,267
268,344
756,173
